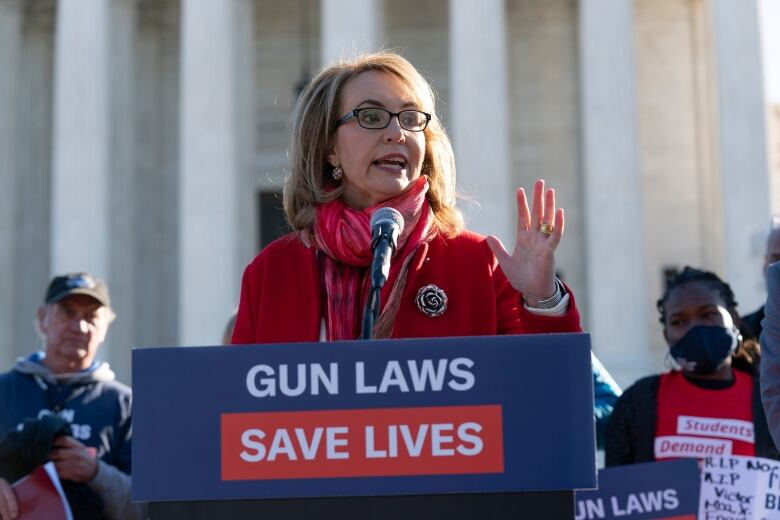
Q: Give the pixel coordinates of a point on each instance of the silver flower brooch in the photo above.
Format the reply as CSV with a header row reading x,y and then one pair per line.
x,y
431,301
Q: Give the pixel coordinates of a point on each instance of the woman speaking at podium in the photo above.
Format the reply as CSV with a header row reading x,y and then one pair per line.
x,y
365,136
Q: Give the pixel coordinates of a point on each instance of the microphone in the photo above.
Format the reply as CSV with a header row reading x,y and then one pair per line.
x,y
386,225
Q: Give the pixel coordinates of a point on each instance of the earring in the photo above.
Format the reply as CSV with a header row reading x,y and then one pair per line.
x,y
337,173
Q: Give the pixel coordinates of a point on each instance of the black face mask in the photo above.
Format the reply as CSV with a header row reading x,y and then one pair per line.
x,y
704,349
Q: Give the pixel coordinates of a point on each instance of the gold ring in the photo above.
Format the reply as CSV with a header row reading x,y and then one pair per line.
x,y
547,229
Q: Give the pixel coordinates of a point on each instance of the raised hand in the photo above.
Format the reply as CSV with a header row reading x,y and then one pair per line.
x,y
530,268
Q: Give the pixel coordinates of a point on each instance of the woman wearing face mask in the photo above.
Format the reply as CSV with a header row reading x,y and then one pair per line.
x,y
365,135
710,405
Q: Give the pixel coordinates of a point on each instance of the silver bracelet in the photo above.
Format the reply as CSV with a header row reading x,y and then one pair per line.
x,y
553,300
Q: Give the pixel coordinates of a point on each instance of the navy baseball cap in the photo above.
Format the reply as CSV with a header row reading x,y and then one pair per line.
x,y
77,283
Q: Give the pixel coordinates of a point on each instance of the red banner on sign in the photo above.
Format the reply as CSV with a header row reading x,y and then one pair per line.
x,y
362,443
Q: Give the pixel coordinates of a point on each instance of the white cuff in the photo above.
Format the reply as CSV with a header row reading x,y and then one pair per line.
x,y
557,311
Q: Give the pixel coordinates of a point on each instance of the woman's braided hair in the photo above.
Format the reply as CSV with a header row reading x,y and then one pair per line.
x,y
748,352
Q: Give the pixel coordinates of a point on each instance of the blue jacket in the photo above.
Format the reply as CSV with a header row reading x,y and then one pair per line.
x,y
606,392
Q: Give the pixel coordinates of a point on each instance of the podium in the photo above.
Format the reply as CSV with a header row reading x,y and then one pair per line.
x,y
488,427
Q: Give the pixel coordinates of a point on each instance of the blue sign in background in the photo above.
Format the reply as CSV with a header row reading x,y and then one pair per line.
x,y
611,500
543,382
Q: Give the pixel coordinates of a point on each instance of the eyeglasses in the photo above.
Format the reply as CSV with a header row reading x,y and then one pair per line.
x,y
378,118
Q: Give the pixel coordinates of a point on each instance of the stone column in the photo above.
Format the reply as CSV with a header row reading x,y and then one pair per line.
x,y
10,28
350,27
81,162
617,300
122,184
92,159
209,275
479,115
33,123
742,146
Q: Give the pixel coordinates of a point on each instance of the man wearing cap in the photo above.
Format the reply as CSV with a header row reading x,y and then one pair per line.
x,y
93,462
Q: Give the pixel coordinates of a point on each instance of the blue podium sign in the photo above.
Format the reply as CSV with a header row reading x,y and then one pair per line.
x,y
390,417
654,490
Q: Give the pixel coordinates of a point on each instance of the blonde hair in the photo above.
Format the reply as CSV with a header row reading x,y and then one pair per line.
x,y
314,123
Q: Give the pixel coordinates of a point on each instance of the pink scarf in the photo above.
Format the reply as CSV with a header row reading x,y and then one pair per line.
x,y
343,234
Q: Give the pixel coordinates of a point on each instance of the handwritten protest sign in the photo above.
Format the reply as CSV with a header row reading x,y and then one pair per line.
x,y
731,488
739,488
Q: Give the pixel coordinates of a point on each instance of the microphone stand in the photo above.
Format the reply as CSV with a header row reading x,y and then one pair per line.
x,y
385,230
370,313
371,310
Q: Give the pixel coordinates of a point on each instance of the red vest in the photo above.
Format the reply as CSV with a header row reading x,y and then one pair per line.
x,y
700,422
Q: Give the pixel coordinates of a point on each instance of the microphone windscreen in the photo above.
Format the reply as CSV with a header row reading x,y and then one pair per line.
x,y
383,215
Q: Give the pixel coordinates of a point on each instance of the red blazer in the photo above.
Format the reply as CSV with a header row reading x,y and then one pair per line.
x,y
281,295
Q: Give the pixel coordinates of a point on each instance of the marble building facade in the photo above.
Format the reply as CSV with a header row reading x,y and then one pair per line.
x,y
145,141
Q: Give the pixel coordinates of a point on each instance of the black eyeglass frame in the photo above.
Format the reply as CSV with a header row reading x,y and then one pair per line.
x,y
355,113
